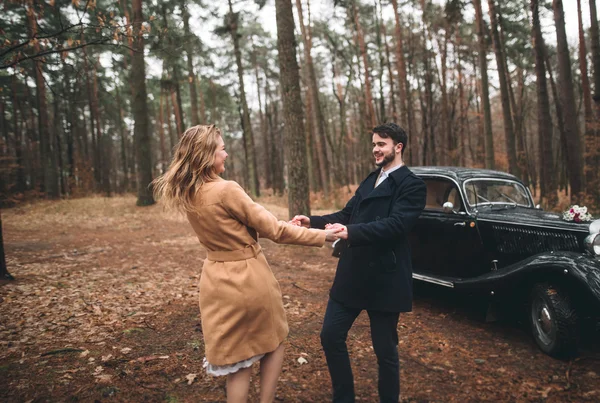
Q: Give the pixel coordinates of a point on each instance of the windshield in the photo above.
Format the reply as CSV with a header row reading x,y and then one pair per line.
x,y
494,191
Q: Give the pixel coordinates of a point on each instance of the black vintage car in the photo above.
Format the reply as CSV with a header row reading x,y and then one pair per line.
x,y
481,233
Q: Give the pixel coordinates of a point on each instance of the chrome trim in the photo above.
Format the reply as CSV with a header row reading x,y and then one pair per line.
x,y
595,226
589,242
529,225
527,191
433,280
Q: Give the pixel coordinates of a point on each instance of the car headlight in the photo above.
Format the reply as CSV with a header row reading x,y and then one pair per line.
x,y
592,244
595,227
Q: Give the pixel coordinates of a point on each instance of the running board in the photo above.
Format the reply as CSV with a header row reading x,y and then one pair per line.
x,y
433,280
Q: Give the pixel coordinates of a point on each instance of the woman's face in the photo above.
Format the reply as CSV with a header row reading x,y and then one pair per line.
x,y
220,157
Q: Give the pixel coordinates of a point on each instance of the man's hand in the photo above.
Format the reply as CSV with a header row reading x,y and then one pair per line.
x,y
332,234
300,221
342,231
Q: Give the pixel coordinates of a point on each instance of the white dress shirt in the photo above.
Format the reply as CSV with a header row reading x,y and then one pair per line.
x,y
384,174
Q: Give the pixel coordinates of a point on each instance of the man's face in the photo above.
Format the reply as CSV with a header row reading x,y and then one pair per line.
x,y
384,150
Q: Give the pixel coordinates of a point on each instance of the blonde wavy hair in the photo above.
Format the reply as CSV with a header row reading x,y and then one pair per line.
x,y
191,167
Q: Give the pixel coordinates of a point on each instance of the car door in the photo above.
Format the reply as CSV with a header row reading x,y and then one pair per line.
x,y
445,244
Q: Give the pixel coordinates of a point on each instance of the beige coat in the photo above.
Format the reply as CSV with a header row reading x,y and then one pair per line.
x,y
240,300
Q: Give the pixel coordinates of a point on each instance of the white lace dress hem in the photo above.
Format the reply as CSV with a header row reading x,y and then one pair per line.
x,y
220,370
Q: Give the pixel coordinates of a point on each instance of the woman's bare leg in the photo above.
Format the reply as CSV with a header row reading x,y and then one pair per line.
x,y
238,385
270,368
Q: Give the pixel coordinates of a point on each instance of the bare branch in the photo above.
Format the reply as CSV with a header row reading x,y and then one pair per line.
x,y
12,48
47,52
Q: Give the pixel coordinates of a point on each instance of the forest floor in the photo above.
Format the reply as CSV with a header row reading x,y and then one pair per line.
x,y
104,308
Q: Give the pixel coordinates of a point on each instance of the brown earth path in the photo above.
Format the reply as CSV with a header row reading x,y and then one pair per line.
x,y
105,309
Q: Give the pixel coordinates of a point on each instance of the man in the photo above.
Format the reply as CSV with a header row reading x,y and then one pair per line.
x,y
374,272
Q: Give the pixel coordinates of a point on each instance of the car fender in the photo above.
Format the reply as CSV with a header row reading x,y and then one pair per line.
x,y
584,269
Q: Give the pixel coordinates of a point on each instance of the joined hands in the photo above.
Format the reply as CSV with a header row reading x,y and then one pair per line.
x,y
334,231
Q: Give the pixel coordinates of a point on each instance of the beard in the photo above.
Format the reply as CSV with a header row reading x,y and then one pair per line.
x,y
387,158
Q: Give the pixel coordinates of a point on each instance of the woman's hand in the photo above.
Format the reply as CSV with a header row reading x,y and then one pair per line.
x,y
300,221
342,231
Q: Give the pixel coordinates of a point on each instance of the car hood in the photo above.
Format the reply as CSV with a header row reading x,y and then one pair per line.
x,y
530,217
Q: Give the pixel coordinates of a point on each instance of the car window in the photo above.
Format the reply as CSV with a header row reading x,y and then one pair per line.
x,y
440,191
487,191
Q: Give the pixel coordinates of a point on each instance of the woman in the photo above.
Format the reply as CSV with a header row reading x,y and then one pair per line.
x,y
243,320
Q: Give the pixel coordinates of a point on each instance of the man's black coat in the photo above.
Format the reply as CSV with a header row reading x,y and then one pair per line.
x,y
375,271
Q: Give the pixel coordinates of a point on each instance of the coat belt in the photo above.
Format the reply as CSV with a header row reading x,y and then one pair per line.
x,y
248,252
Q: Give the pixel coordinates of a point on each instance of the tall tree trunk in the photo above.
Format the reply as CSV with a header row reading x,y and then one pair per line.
x,y
247,125
559,162
173,137
595,49
388,65
518,109
90,101
263,125
214,117
445,127
547,177
298,194
312,161
591,152
202,104
401,67
276,162
463,132
103,146
70,114
123,138
49,171
485,90
378,39
509,131
515,109
176,110
57,152
369,108
190,64
339,150
4,274
430,156
317,110
20,183
6,177
139,105
565,85
174,82
161,137
413,152
477,147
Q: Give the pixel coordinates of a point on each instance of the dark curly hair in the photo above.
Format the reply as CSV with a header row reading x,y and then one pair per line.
x,y
393,131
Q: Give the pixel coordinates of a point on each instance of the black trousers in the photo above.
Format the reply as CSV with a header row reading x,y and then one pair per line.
x,y
384,334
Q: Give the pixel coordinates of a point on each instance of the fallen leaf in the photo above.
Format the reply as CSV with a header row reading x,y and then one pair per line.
x,y
190,378
125,350
146,359
103,378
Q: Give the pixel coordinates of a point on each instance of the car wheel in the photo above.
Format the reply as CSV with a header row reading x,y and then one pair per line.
x,y
553,320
